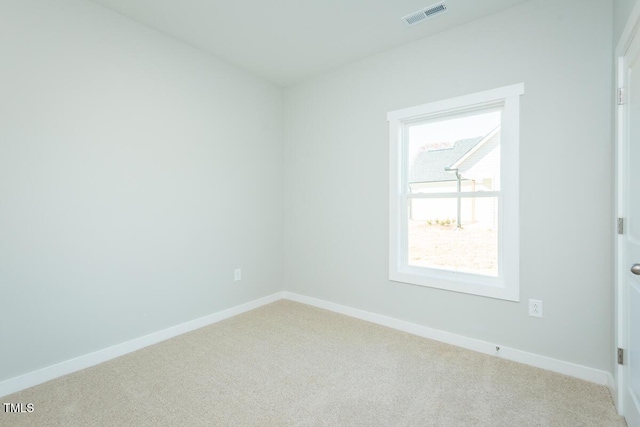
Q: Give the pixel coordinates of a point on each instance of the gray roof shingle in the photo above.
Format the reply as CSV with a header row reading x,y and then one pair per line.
x,y
430,165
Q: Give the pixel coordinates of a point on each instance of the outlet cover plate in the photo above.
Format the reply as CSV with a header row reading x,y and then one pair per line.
x,y
535,308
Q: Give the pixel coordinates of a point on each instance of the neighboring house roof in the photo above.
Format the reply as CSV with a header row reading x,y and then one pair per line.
x,y
475,148
430,165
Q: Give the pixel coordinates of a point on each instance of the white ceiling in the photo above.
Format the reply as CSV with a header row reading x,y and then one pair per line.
x,y
287,41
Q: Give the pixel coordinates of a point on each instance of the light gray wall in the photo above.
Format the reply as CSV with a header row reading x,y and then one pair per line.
x,y
135,174
336,177
621,11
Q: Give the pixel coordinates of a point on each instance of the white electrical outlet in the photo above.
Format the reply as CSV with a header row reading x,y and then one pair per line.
x,y
535,308
237,274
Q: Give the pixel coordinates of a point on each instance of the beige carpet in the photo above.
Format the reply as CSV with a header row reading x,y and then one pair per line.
x,y
288,364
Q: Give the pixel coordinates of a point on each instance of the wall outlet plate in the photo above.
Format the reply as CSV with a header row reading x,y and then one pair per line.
x,y
237,274
535,308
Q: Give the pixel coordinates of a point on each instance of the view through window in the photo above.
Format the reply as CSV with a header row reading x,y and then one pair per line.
x,y
453,195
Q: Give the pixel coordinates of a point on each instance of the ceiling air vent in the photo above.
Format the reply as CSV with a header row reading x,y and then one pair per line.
x,y
424,14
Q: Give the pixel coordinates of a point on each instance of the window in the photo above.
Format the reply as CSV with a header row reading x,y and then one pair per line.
x,y
454,219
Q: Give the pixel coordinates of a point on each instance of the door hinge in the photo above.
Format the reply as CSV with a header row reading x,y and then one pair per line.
x,y
620,96
620,225
620,356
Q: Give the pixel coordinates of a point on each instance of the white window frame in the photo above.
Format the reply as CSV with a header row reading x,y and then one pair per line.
x,y
506,285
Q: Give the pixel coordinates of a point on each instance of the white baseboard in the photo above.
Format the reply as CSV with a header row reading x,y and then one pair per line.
x,y
31,379
40,376
567,368
613,390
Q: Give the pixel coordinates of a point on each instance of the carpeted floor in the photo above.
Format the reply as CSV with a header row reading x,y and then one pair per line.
x,y
288,364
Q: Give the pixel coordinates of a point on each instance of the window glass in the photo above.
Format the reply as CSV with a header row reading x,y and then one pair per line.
x,y
454,155
435,241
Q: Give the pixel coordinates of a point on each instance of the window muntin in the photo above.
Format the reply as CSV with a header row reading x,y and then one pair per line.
x,y
454,194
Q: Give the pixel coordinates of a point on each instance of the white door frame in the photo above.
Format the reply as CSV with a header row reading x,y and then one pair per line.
x,y
631,30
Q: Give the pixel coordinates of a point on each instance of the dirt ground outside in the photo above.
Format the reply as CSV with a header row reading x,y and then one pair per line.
x,y
472,249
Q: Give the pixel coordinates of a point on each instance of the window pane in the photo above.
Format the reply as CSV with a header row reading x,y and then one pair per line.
x,y
438,238
461,151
